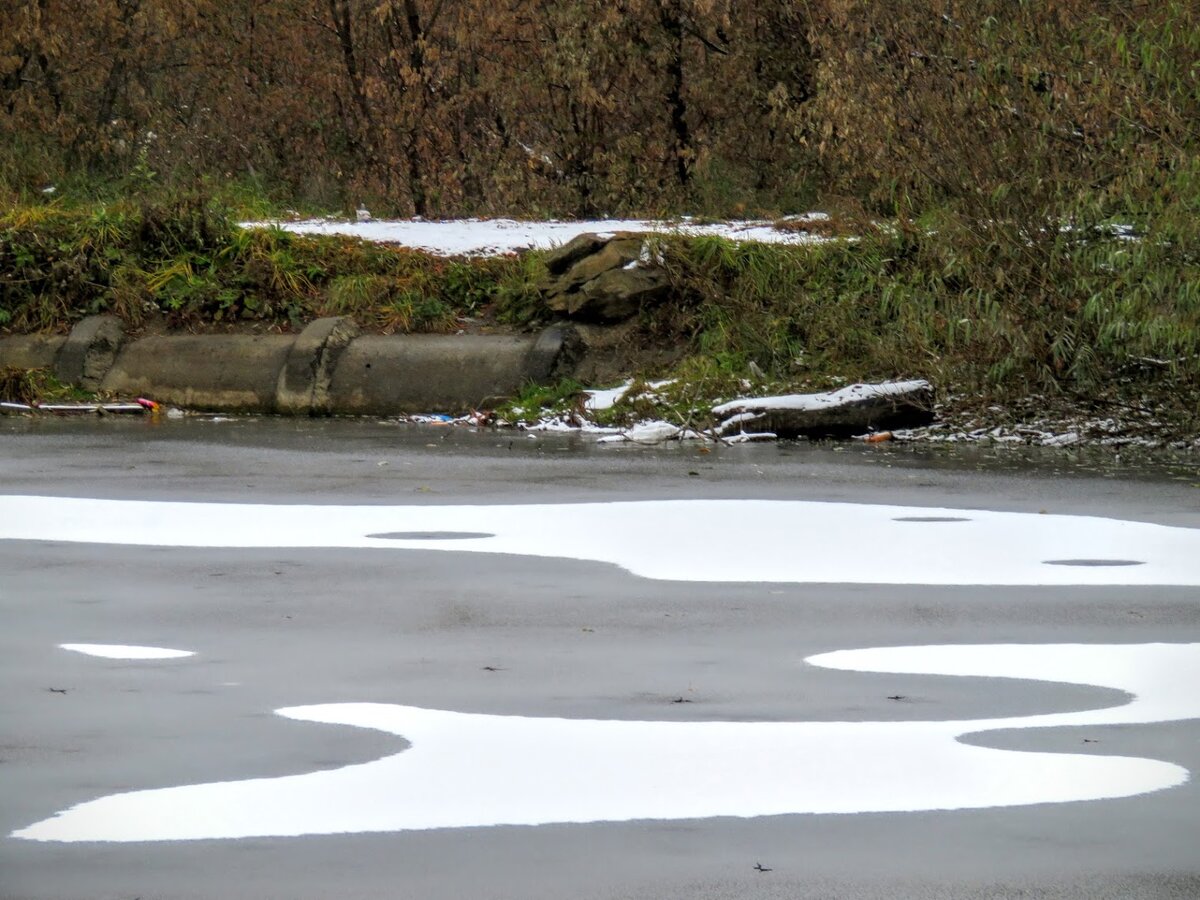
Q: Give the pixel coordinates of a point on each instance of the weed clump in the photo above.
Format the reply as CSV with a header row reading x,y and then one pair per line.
x,y
31,386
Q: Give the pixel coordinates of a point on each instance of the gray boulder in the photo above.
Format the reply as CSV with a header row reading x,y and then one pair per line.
x,y
562,258
599,279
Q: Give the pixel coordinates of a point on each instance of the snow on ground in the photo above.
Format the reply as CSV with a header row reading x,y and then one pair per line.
x,y
605,398
545,770
711,540
493,237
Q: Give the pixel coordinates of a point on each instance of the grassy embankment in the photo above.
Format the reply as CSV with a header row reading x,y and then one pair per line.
x,y
186,264
1077,315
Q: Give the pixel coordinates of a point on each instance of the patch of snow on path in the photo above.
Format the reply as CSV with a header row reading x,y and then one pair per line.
x,y
494,237
470,770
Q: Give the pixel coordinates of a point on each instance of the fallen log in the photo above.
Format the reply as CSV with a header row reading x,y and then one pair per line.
x,y
850,411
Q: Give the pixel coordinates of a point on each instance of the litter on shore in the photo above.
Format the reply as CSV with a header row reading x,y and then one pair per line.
x,y
140,406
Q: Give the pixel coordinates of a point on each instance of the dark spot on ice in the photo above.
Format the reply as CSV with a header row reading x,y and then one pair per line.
x,y
1093,562
930,519
431,535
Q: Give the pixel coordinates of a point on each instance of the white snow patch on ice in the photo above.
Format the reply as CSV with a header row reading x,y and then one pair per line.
x,y
470,770
123,651
710,540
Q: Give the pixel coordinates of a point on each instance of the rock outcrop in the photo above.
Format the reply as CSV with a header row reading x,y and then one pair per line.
x,y
596,278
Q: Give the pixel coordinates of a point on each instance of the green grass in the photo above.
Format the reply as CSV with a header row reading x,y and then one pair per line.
x,y
997,310
186,260
534,400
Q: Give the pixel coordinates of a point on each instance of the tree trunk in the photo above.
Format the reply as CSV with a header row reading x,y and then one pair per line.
x,y
671,18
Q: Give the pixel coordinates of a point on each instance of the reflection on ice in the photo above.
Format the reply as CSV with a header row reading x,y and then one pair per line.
x,y
474,770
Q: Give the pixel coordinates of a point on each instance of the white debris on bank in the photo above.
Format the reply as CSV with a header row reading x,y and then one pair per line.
x,y
494,237
653,432
749,437
1134,431
1042,434
561,423
606,398
1036,425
